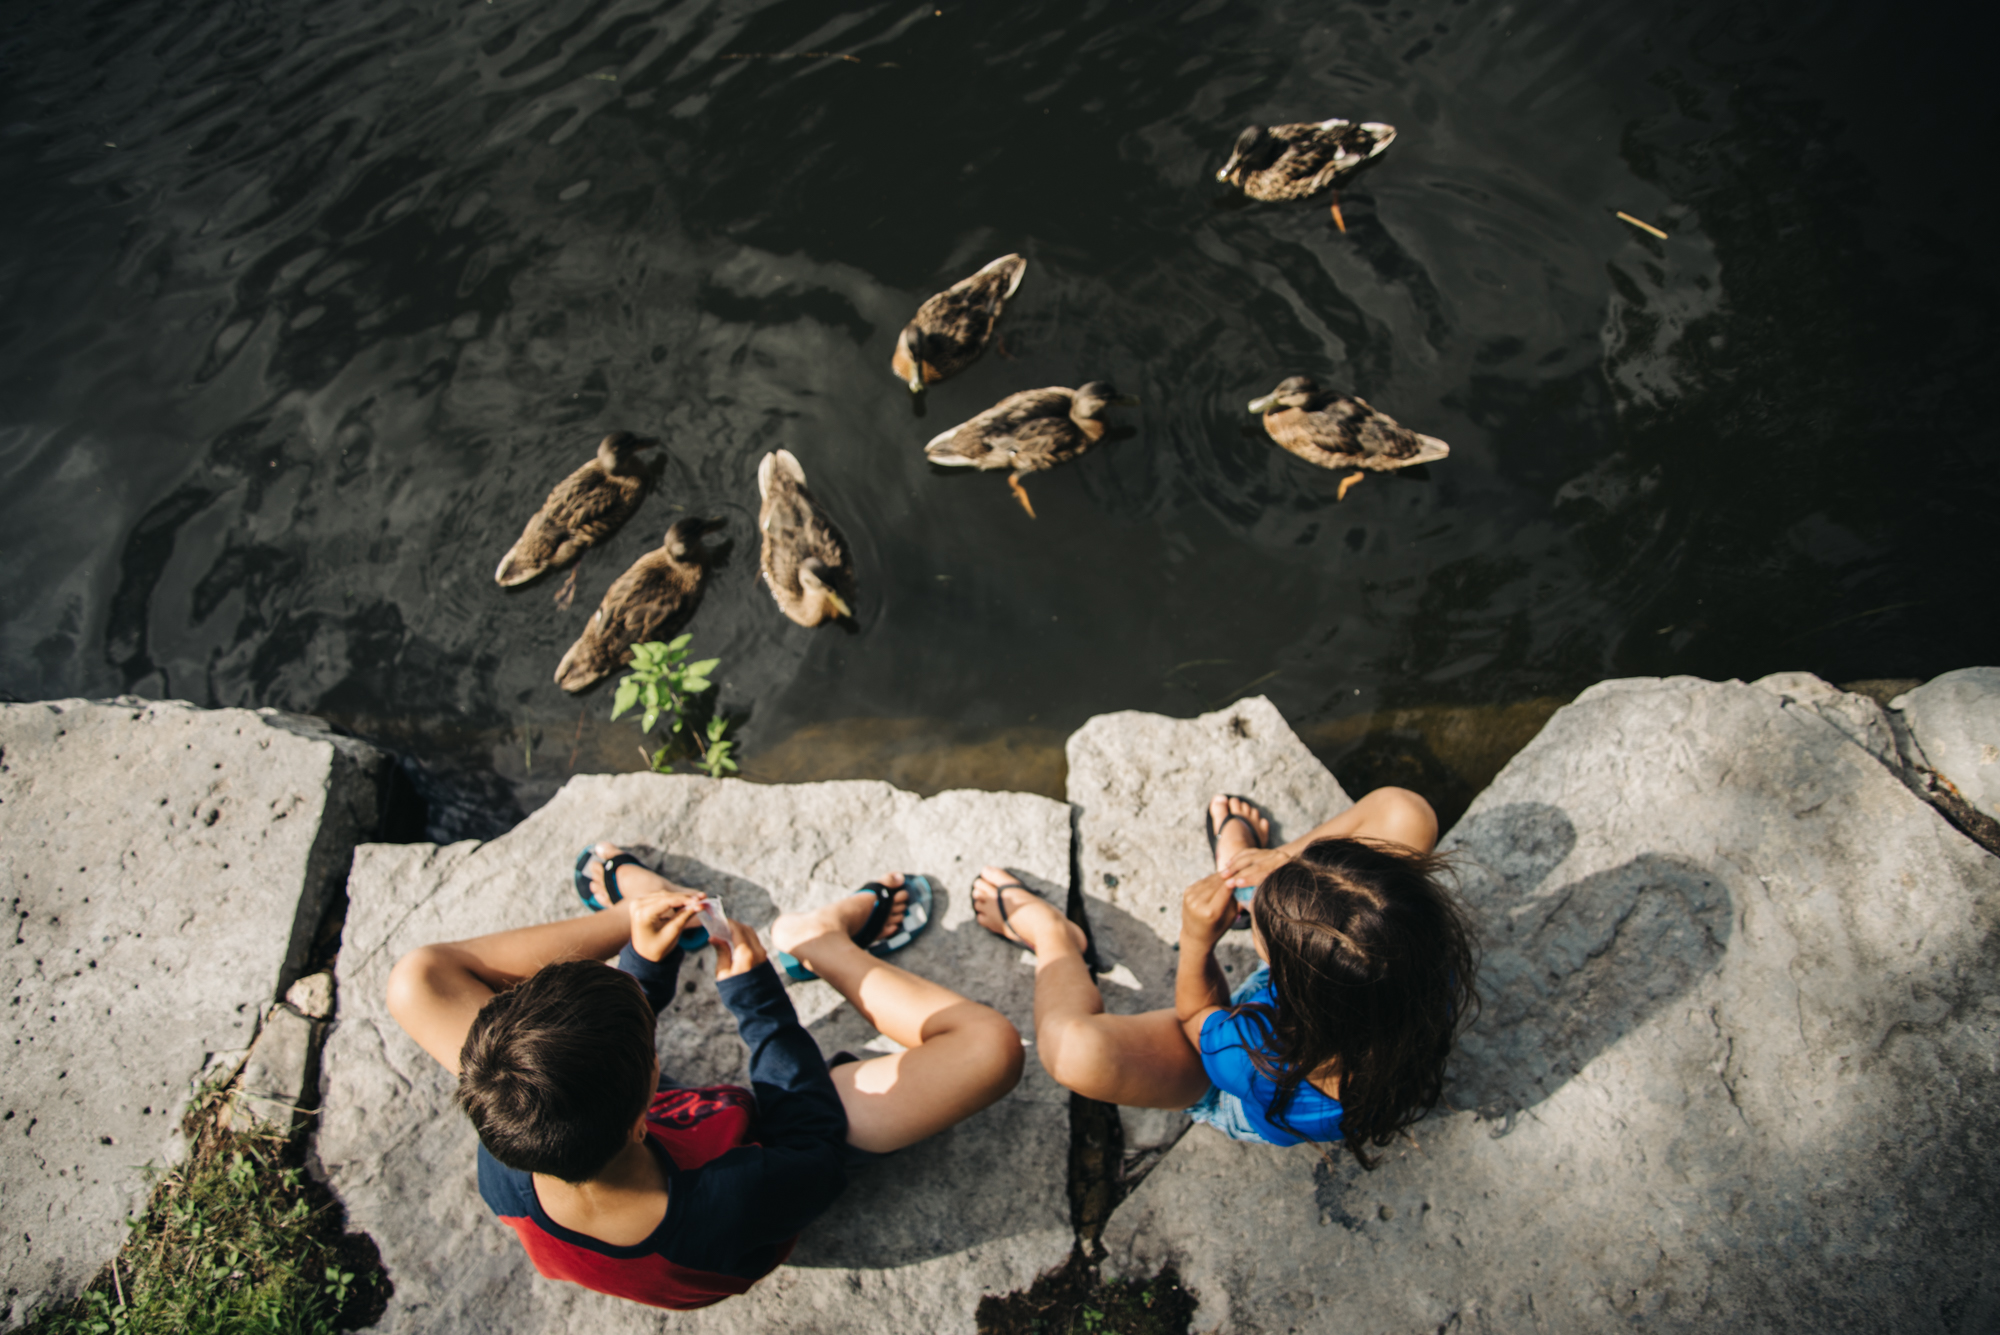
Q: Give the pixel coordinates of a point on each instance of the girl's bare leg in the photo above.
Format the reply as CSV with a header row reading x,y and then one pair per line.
x,y
960,1057
1140,1061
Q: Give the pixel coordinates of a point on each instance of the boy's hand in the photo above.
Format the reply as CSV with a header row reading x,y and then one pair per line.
x,y
740,954
658,919
1208,908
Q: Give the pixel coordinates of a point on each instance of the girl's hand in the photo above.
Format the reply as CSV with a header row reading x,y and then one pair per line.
x,y
1208,908
659,918
1251,865
740,954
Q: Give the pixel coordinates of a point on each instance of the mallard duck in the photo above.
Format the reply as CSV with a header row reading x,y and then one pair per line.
x,y
650,601
1339,431
805,558
1287,162
949,331
1028,432
586,507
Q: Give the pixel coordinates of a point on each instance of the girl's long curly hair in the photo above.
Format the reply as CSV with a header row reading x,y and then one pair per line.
x,y
1372,961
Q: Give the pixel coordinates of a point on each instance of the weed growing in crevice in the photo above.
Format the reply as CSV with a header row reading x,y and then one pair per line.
x,y
663,685
1075,1300
235,1240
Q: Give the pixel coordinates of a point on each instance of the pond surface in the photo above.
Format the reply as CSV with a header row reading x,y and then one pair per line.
x,y
306,307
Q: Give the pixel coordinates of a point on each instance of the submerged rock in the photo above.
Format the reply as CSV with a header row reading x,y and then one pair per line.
x,y
167,868
915,1241
1735,1062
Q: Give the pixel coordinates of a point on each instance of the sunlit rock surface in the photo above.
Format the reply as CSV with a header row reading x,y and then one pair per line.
x,y
165,868
914,1242
1141,785
1736,1066
1955,721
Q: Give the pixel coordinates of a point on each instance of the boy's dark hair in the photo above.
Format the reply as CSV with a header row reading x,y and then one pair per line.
x,y
555,1070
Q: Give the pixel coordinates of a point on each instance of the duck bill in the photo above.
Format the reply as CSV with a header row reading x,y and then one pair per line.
x,y
916,380
1265,404
1228,167
838,603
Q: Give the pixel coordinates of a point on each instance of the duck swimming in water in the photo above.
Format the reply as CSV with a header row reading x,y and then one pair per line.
x,y
650,601
805,559
949,331
1340,431
1287,162
585,508
1028,432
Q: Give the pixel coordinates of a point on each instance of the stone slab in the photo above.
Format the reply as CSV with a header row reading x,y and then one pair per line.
x,y
1955,720
911,1246
1141,784
1736,1067
165,869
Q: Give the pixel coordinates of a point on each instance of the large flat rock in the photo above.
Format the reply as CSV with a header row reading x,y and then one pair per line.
x,y
1736,1064
913,1244
1141,785
1955,720
166,868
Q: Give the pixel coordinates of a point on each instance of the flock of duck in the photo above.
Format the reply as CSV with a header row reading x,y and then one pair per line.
x,y
805,561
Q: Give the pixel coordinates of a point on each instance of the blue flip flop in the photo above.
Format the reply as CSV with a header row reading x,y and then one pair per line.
x,y
916,917
611,866
694,938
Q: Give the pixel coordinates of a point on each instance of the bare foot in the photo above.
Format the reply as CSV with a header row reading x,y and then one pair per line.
x,y
1031,921
842,918
631,880
1234,836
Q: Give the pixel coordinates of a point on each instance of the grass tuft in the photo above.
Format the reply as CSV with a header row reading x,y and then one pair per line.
x,y
237,1239
1074,1300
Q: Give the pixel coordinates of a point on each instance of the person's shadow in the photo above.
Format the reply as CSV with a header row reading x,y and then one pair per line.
x,y
1569,968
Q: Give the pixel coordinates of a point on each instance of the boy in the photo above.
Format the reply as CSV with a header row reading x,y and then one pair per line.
x,y
615,1179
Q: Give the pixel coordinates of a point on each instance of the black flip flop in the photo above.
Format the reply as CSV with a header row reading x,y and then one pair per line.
x,y
611,866
1242,923
1090,957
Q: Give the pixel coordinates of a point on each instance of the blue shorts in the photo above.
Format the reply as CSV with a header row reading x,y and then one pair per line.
x,y
1219,1108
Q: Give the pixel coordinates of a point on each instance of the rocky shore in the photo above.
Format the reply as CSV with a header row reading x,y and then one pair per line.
x,y
1736,1062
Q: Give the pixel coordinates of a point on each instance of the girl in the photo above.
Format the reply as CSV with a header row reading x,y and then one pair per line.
x,y
1342,1036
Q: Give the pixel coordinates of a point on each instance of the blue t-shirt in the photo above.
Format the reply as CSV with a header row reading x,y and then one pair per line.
x,y
1226,1043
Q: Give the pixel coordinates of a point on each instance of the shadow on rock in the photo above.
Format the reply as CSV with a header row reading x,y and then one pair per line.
x,y
1571,967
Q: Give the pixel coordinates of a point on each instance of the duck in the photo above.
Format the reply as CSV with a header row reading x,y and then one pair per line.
x,y
1280,163
585,508
651,601
1340,430
1028,432
949,331
805,561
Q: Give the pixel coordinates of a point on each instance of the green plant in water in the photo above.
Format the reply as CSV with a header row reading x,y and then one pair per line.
x,y
664,683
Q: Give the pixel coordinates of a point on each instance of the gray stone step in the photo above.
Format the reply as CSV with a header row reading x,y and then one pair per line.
x,y
166,869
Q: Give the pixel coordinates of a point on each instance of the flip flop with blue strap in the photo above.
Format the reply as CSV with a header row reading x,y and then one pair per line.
x,y
692,938
916,917
1244,893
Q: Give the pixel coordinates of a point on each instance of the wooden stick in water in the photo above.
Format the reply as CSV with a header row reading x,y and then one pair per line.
x,y
1642,226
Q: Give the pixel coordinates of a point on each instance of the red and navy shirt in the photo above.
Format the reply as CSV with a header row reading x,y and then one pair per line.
x,y
746,1169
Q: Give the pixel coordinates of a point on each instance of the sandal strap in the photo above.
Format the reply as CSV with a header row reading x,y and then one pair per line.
x,y
885,904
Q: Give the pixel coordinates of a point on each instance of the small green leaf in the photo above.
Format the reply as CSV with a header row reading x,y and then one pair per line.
x,y
652,717
703,668
628,695
679,642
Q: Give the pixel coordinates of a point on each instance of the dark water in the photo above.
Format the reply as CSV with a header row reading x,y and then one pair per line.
x,y
307,305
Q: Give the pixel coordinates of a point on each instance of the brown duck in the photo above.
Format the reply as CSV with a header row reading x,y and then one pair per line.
x,y
1339,431
949,331
1287,162
1028,432
585,508
650,601
805,559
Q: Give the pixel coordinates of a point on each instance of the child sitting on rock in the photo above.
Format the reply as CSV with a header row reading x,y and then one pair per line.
x,y
619,1181
1341,1036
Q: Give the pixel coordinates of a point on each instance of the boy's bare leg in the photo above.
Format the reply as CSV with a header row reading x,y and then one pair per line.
x,y
961,1056
1140,1061
435,991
